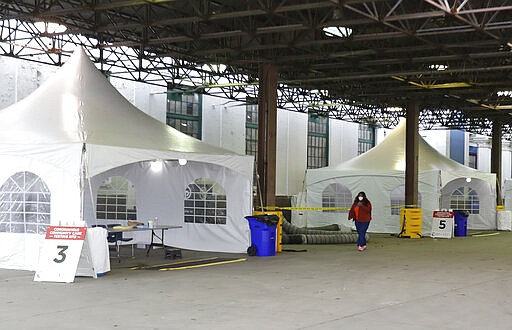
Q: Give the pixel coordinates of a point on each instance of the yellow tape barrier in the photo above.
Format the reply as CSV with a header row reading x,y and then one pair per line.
x,y
279,208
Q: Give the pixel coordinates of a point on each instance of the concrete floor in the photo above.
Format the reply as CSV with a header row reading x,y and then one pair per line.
x,y
398,283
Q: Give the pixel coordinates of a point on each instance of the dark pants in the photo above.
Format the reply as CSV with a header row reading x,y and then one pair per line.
x,y
361,227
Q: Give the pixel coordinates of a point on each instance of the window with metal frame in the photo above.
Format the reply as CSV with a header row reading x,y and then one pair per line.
x,y
366,138
251,129
184,111
318,141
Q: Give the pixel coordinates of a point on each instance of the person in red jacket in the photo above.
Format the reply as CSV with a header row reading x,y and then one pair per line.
x,y
361,213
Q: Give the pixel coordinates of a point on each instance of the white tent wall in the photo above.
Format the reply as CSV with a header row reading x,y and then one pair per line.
x,y
161,194
507,194
379,171
77,110
378,188
58,167
486,218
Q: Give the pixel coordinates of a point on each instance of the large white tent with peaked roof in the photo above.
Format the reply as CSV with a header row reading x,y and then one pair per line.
x,y
60,144
380,172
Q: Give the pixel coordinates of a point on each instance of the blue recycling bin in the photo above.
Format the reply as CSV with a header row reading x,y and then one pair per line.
x,y
461,222
263,234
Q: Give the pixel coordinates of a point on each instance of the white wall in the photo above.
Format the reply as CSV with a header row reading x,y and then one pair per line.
x,y
224,123
291,151
149,98
342,141
438,139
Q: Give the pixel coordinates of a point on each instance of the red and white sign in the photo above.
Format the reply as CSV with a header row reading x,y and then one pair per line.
x,y
442,224
65,233
65,249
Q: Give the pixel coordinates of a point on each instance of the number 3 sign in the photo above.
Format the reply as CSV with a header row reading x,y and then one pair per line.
x,y
65,250
442,224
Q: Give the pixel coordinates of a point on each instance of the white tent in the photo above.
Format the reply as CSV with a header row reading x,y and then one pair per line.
x,y
75,133
442,183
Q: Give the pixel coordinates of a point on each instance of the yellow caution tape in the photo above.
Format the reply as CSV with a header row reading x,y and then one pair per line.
x,y
277,208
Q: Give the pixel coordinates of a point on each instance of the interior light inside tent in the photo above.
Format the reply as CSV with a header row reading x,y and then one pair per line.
x,y
182,161
337,31
156,165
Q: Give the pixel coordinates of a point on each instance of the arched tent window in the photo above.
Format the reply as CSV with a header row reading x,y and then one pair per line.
x,y
205,202
336,195
116,200
465,198
24,204
397,199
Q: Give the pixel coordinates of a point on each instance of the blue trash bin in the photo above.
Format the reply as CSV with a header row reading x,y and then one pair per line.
x,y
263,234
461,222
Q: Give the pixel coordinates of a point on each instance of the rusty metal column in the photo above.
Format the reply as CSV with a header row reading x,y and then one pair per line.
x,y
496,158
267,126
411,155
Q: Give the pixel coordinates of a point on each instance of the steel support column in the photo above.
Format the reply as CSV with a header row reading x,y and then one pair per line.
x,y
496,158
267,126
411,155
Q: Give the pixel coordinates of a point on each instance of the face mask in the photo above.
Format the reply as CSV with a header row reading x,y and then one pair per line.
x,y
360,198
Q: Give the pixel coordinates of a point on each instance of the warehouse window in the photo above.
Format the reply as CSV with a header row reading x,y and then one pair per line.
x,y
366,138
251,129
24,204
184,110
205,202
318,141
116,200
465,198
337,195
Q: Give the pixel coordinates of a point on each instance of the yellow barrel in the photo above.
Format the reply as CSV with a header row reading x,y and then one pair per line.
x,y
410,222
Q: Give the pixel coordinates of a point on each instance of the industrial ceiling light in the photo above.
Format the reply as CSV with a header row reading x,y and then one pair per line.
x,y
337,31
504,93
438,67
393,109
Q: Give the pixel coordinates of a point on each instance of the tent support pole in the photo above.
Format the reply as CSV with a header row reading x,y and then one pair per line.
x,y
411,154
267,126
496,158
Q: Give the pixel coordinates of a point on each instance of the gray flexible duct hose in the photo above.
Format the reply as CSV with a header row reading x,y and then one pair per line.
x,y
289,228
294,239
342,238
333,239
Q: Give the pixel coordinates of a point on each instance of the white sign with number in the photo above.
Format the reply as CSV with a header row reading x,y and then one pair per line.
x,y
442,224
64,255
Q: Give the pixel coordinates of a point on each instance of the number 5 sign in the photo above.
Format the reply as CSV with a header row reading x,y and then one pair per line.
x,y
442,224
65,254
